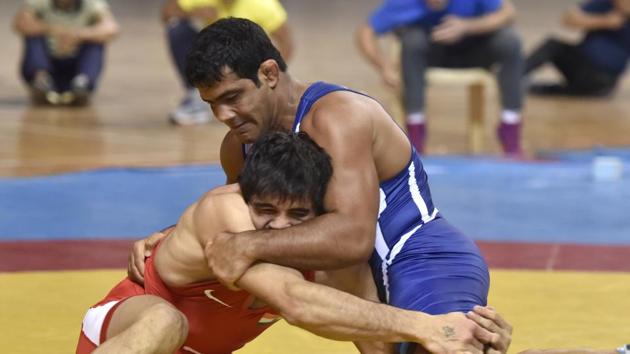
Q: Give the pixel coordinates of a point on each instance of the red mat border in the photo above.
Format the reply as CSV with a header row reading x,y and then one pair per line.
x,y
99,254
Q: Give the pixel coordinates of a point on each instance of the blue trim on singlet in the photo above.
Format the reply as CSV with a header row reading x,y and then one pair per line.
x,y
311,95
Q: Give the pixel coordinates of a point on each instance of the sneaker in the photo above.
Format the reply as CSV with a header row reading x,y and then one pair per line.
x,y
43,89
510,137
80,92
417,134
191,111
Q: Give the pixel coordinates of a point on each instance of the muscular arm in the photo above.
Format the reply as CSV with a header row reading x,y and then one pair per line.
x,y
329,312
577,18
344,236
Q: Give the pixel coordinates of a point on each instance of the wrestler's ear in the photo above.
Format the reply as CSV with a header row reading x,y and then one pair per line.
x,y
269,73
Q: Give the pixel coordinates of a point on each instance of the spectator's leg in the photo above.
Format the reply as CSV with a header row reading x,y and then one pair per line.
x,y
415,47
547,52
36,68
86,71
504,49
192,110
181,35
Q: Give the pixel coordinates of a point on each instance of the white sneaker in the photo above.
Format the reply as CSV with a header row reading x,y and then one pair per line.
x,y
191,111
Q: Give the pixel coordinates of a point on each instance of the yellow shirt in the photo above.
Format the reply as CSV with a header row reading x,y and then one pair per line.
x,y
269,14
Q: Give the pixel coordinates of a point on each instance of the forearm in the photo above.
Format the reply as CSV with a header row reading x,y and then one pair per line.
x,y
330,241
102,32
329,312
341,316
577,19
368,45
29,25
492,22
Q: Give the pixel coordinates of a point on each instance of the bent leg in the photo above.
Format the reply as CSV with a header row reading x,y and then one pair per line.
x,y
439,270
145,324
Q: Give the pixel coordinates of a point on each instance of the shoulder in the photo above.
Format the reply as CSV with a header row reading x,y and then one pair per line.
x,y
344,109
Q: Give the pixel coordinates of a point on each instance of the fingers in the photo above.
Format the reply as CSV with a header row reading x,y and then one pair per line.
x,y
486,337
490,313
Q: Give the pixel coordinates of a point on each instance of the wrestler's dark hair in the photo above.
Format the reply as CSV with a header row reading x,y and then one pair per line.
x,y
233,43
286,166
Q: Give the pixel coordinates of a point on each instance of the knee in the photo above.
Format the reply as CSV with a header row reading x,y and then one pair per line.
x,y
166,319
415,40
508,44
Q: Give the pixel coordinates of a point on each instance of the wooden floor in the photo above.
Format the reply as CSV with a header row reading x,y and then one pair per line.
x,y
126,125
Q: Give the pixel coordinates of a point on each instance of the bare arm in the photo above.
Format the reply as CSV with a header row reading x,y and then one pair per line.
x,y
367,43
283,40
231,156
28,24
340,316
344,236
577,18
105,29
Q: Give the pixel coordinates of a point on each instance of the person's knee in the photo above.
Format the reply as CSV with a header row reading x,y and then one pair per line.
x,y
414,40
167,320
508,44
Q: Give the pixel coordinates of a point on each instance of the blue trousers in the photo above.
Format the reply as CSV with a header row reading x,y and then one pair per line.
x,y
181,34
88,61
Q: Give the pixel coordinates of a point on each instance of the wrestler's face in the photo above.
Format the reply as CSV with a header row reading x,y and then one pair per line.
x,y
275,213
239,104
437,5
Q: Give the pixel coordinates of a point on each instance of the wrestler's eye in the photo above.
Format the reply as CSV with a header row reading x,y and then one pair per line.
x,y
265,211
299,213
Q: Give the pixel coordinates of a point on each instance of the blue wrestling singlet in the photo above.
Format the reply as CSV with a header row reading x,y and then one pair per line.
x,y
420,261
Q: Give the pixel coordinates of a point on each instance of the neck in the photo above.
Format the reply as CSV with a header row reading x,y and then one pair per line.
x,y
289,100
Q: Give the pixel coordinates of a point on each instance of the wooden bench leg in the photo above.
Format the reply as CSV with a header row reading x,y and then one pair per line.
x,y
476,111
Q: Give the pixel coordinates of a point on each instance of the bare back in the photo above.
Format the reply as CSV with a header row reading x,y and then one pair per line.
x,y
180,259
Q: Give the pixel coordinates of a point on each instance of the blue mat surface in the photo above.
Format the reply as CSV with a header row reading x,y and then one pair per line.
x,y
488,199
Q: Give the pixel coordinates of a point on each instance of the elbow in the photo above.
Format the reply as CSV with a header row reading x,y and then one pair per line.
x,y
293,309
360,248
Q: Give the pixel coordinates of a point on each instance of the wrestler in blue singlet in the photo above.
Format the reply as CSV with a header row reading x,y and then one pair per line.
x,y
420,261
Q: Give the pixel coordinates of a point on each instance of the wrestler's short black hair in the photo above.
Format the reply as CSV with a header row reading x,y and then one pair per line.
x,y
233,43
286,166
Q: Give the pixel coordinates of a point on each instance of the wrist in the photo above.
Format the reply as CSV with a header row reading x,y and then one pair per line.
x,y
248,244
420,328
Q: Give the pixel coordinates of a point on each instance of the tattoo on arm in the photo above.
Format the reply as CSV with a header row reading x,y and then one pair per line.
x,y
449,332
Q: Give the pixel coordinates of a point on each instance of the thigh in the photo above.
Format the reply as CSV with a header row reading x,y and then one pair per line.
x,y
129,311
439,270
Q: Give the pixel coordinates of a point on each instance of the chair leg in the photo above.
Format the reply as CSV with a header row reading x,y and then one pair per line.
x,y
476,111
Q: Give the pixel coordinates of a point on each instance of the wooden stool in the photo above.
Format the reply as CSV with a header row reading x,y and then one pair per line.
x,y
475,80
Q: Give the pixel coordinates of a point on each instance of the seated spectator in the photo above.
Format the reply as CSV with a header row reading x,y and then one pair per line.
x,y
185,18
593,66
64,47
451,34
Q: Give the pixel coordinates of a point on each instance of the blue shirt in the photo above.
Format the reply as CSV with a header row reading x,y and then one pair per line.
x,y
607,49
397,13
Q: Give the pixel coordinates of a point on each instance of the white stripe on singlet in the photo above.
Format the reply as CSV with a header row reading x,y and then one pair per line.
x,y
424,214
